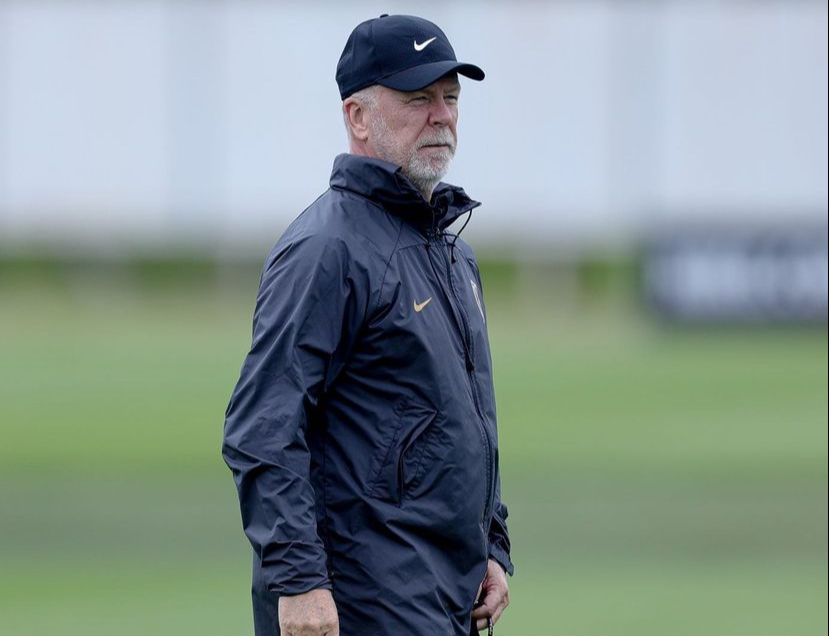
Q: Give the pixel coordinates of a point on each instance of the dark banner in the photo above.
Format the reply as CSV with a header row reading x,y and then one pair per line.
x,y
770,275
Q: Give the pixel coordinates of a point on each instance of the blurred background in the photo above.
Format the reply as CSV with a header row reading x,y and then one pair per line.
x,y
653,243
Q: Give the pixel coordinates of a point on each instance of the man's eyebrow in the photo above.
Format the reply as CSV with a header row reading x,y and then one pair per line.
x,y
455,88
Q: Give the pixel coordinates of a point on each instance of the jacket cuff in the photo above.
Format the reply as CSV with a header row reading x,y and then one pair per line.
x,y
295,568
499,555
293,590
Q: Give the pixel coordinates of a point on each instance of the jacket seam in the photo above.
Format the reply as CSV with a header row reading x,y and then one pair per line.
x,y
388,263
267,265
372,203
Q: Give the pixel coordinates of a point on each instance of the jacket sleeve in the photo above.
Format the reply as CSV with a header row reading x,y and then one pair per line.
x,y
499,545
498,536
310,305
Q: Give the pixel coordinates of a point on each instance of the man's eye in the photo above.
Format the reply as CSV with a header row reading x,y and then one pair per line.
x,y
452,98
420,98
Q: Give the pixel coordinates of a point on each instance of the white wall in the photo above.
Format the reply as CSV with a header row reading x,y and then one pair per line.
x,y
215,122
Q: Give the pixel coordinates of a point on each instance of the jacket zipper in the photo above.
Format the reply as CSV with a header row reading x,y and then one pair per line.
x,y
457,310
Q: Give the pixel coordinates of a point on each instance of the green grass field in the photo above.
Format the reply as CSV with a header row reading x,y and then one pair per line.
x,y
659,481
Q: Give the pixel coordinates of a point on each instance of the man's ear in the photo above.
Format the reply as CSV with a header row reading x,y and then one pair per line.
x,y
356,116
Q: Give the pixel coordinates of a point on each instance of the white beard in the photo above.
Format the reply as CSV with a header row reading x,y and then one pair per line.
x,y
424,171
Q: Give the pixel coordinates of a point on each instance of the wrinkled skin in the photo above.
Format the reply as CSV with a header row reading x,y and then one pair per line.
x,y
493,596
310,614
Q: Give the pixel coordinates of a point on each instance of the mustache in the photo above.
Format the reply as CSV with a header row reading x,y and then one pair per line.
x,y
444,137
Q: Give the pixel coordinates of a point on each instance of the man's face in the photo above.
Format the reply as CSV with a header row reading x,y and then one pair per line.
x,y
417,130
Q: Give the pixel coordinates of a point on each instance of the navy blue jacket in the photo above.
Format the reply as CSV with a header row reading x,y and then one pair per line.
x,y
362,432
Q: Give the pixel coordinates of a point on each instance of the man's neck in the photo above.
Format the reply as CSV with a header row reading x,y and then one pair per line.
x,y
425,188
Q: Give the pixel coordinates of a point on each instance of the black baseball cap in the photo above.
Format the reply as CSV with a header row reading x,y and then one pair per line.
x,y
403,52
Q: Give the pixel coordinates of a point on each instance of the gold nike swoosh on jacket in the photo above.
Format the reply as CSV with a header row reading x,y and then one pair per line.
x,y
418,307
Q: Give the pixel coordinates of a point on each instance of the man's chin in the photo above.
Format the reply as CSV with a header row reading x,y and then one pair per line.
x,y
436,153
433,163
432,173
429,166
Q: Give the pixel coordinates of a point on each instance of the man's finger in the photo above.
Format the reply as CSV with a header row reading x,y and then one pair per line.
x,y
503,603
498,612
493,609
481,612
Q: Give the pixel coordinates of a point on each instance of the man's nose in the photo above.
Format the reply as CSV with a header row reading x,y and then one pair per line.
x,y
440,113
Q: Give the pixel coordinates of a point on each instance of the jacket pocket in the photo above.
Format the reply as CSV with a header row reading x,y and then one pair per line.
x,y
388,474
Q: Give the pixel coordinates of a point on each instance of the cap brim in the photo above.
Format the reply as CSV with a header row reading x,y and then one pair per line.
x,y
415,78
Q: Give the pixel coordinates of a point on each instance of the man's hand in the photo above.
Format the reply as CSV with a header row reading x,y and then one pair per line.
x,y
494,594
310,614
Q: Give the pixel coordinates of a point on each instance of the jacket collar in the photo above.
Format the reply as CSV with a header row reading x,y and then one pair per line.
x,y
385,184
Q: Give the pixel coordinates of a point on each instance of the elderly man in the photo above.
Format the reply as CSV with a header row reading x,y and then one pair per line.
x,y
362,432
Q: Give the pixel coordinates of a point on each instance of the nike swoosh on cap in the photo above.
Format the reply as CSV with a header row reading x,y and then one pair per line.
x,y
420,47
